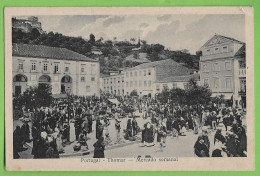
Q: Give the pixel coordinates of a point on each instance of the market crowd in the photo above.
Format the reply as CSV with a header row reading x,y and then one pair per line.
x,y
50,126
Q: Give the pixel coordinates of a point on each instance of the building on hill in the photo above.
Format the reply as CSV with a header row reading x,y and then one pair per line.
x,y
66,71
223,68
143,77
27,25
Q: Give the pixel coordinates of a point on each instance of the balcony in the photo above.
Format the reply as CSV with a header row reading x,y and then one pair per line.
x,y
242,72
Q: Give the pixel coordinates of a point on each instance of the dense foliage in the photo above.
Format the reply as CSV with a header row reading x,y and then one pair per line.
x,y
34,97
113,52
193,95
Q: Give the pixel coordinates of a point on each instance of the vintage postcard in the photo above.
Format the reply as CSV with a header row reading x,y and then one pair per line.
x,y
129,89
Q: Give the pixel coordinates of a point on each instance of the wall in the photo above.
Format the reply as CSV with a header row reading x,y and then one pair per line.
x,y
78,86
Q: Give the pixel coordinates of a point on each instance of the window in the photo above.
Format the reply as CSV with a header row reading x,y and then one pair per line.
x,y
135,73
131,83
157,87
20,66
66,69
111,80
67,66
136,84
216,50
206,82
216,83
243,85
118,79
123,80
126,83
205,68
216,67
33,66
140,73
149,83
144,72
45,67
127,74
208,52
225,49
82,69
114,80
174,85
87,88
227,66
82,79
131,74
92,78
56,68
228,83
242,64
149,72
104,81
145,84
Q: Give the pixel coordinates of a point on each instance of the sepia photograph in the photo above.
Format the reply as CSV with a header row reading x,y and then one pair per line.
x,y
129,87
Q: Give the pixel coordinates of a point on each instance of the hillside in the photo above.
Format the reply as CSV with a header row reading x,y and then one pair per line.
x,y
114,54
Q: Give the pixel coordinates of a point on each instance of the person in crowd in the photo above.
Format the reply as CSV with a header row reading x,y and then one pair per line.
x,y
58,140
17,142
99,129
77,125
25,132
218,137
200,148
99,148
129,129
117,127
83,139
135,126
106,131
214,120
149,135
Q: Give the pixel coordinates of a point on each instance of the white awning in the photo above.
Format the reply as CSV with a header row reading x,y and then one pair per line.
x,y
115,101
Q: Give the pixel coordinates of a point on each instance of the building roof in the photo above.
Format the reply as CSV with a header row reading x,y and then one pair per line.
x,y
224,39
156,63
41,51
185,78
241,52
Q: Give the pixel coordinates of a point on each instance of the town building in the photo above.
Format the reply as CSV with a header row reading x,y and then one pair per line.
x,y
66,71
113,83
27,25
144,77
223,68
173,82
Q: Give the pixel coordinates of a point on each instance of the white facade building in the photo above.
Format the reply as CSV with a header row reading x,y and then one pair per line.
x,y
223,68
66,71
113,83
143,78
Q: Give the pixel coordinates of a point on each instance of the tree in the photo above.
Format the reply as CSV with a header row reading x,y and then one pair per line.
x,y
132,40
92,39
134,93
34,97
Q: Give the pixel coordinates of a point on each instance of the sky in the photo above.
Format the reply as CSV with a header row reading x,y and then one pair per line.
x,y
175,32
